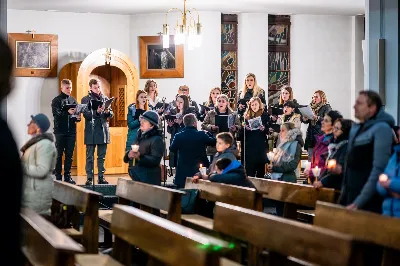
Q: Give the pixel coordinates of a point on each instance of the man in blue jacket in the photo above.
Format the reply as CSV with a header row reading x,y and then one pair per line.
x,y
369,150
190,145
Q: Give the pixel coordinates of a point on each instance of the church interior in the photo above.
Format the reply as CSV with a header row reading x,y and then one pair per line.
x,y
103,213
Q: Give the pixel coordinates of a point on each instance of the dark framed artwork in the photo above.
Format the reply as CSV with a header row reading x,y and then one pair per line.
x,y
159,62
35,55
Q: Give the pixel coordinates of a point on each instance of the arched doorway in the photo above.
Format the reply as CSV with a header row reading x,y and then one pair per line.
x,y
125,95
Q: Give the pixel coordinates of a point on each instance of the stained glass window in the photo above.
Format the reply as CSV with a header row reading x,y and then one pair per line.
x,y
278,60
278,34
228,33
229,51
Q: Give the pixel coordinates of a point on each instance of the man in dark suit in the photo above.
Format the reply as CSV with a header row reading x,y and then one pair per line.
x,y
190,145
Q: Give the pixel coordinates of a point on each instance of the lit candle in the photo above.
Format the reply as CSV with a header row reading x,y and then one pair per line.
x,y
316,171
331,164
201,165
135,148
270,156
383,177
274,150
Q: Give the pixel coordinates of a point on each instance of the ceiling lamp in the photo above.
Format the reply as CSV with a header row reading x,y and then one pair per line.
x,y
187,29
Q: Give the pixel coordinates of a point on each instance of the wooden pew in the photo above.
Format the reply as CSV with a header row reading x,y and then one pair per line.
x,y
81,200
366,226
150,198
45,244
293,195
286,240
165,241
210,191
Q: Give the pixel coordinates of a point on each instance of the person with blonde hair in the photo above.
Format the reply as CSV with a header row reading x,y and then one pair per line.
x,y
211,103
154,102
135,110
250,89
216,121
254,138
320,107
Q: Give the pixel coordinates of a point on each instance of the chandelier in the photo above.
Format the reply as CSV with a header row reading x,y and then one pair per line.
x,y
187,29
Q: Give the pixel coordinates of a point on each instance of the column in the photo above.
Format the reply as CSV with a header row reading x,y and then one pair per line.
x,y
3,34
382,22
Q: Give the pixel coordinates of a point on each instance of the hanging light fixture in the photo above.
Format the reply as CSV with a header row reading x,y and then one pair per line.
x,y
187,28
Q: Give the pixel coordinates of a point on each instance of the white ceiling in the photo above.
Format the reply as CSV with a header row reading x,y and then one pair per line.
x,y
325,7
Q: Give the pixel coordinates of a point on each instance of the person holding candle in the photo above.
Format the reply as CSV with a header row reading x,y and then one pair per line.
x,y
320,152
216,121
254,141
287,155
190,146
320,107
135,110
332,177
368,153
388,185
147,158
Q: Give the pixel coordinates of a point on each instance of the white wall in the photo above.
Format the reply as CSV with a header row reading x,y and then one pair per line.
x,y
78,35
253,48
321,59
357,64
202,65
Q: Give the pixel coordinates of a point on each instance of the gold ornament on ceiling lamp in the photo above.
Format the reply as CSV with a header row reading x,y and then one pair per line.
x,y
186,28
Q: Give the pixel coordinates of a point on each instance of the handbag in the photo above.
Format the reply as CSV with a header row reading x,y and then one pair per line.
x,y
188,201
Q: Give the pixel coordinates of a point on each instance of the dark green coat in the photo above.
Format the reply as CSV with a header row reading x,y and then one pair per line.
x,y
133,124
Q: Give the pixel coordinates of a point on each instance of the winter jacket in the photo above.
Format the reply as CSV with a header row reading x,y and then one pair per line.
x,y
234,174
190,146
328,179
101,131
64,123
38,161
391,203
209,121
320,154
133,124
314,131
147,168
230,153
288,168
368,152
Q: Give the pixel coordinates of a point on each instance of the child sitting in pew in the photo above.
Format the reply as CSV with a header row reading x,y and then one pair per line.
x,y
227,172
225,149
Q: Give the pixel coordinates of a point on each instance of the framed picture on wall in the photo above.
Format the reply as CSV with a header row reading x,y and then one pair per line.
x,y
35,55
158,62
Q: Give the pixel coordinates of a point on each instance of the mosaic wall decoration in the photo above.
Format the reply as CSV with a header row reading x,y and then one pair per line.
x,y
228,60
277,79
228,80
278,34
273,97
278,61
228,33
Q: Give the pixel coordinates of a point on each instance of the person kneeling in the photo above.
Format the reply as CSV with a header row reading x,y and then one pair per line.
x,y
227,172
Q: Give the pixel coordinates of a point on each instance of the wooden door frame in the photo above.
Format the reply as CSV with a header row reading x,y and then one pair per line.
x,y
93,60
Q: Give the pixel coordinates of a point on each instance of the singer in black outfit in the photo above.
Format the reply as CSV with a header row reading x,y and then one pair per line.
x,y
97,131
64,129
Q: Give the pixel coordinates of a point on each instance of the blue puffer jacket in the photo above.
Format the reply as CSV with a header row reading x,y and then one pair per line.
x,y
391,205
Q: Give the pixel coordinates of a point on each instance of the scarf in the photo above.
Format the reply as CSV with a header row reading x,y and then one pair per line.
x,y
286,151
36,139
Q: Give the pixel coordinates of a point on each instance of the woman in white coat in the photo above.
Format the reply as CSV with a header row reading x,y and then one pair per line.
x,y
38,161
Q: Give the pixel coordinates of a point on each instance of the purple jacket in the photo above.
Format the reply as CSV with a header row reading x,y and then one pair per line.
x,y
320,153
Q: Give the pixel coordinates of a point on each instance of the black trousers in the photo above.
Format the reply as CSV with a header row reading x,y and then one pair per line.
x,y
65,144
255,169
101,156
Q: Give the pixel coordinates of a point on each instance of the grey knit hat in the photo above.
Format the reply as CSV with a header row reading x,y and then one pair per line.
x,y
151,116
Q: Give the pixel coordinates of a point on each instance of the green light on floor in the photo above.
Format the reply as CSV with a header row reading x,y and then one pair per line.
x,y
204,246
216,248
231,245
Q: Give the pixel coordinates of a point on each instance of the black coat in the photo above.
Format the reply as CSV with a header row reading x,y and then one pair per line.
x,y
330,180
147,168
64,123
101,128
190,145
313,131
255,142
247,96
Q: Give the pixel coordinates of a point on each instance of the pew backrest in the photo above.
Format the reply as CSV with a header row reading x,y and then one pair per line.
x,y
45,244
166,241
366,226
286,237
156,197
85,201
235,195
299,194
